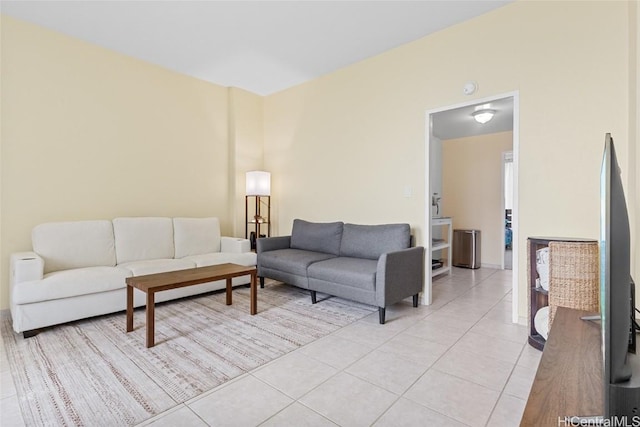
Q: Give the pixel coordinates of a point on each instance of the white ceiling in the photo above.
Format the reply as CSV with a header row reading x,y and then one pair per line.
x,y
259,46
264,46
459,123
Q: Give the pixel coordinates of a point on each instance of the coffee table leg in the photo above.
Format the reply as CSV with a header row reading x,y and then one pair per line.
x,y
129,308
229,291
150,319
254,293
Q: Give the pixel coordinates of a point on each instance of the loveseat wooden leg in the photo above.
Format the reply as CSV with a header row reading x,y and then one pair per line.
x,y
415,300
381,315
262,282
31,333
313,297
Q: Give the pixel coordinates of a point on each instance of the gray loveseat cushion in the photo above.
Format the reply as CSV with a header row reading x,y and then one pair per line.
x,y
317,237
294,261
371,241
353,272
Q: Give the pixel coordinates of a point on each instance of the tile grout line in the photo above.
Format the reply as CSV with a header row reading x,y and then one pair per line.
x,y
343,370
451,346
505,385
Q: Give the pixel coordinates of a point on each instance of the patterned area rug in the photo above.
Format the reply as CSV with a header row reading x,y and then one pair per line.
x,y
92,372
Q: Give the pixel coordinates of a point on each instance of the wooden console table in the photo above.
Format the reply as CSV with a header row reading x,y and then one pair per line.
x,y
569,378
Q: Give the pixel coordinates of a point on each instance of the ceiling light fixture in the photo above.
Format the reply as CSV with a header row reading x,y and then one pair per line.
x,y
483,116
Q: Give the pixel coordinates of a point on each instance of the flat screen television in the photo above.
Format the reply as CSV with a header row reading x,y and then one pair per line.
x,y
617,311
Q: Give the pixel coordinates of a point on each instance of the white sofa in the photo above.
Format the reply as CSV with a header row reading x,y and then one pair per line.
x,y
78,269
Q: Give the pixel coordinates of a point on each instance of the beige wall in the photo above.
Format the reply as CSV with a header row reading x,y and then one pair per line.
x,y
245,148
89,134
4,270
472,188
345,145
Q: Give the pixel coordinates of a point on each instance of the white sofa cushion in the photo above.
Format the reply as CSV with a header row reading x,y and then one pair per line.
x,y
152,266
70,283
204,260
195,236
139,239
76,244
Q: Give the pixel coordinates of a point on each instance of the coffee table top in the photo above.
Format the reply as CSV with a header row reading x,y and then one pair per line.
x,y
191,276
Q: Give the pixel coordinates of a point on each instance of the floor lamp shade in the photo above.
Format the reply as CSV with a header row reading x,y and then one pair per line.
x,y
258,183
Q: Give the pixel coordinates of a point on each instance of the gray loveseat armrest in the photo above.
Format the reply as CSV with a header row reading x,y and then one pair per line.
x,y
265,244
399,275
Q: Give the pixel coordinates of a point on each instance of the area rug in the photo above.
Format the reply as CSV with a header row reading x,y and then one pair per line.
x,y
92,372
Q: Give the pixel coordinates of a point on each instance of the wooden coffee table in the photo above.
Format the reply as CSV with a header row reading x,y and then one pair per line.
x,y
152,283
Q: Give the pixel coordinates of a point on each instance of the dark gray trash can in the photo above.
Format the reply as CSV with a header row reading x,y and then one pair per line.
x,y
466,248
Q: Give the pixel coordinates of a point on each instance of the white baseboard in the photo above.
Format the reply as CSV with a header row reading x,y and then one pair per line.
x,y
494,266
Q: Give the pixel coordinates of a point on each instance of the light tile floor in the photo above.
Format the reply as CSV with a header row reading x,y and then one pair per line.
x,y
458,362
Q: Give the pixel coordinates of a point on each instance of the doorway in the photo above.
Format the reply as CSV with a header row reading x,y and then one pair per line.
x,y
507,209
459,117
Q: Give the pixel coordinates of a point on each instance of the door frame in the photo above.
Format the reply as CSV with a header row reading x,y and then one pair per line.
x,y
427,296
503,205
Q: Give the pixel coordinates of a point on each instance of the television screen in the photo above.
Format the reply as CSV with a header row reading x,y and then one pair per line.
x,y
621,388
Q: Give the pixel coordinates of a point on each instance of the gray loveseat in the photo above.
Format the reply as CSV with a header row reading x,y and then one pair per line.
x,y
371,264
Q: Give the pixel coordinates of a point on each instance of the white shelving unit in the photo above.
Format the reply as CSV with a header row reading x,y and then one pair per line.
x,y
445,244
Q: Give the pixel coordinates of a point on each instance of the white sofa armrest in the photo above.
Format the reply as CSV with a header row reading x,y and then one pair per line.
x,y
26,266
234,245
